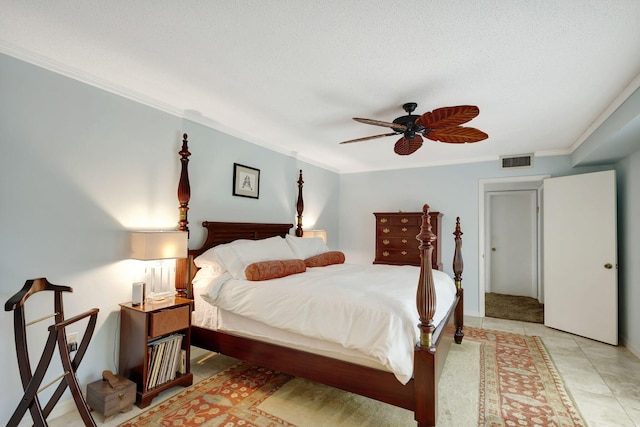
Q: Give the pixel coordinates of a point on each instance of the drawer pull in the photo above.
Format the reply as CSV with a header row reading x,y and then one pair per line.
x,y
383,220
385,253
385,241
404,229
120,396
404,240
404,220
403,252
385,230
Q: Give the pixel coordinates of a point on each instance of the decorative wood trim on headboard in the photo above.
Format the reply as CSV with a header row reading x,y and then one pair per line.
x,y
225,232
219,233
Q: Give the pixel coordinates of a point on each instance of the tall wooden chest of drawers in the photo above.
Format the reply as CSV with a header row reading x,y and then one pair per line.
x,y
396,241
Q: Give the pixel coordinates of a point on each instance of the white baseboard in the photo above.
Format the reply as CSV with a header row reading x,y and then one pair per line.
x,y
635,351
473,313
63,407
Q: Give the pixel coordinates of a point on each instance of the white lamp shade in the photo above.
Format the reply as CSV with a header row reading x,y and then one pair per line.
x,y
315,233
150,245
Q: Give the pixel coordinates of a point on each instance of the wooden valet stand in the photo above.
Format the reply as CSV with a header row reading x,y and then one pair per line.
x,y
31,380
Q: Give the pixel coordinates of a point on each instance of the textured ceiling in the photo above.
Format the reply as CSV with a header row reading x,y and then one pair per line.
x,y
290,75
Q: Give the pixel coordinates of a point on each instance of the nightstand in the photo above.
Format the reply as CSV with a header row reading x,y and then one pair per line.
x,y
155,340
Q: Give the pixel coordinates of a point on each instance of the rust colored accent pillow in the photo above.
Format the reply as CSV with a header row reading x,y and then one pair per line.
x,y
265,270
327,258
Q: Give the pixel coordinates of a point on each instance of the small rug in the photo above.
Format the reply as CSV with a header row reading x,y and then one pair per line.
x,y
492,379
519,385
512,307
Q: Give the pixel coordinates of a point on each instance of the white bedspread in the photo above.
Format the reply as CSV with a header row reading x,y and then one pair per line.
x,y
371,309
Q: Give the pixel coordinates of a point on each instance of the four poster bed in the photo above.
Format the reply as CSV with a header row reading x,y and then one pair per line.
x,y
207,276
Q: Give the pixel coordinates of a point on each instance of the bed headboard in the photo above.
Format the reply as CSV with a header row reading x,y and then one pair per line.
x,y
225,232
217,234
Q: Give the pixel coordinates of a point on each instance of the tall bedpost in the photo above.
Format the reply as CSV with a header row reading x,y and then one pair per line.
x,y
184,194
457,271
424,365
300,206
184,189
426,295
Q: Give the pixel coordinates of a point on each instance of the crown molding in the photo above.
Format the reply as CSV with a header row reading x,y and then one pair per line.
x,y
79,75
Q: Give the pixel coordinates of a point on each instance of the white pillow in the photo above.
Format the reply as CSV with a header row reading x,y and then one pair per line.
x,y
203,277
236,258
207,283
306,247
210,259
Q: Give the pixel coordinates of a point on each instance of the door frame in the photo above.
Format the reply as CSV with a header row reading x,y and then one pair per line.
x,y
533,182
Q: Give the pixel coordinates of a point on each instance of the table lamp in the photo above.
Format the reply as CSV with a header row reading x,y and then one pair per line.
x,y
158,246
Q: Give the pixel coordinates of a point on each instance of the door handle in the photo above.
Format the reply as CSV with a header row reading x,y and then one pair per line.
x,y
493,249
608,266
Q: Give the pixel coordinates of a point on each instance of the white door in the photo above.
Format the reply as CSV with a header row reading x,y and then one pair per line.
x,y
580,256
513,243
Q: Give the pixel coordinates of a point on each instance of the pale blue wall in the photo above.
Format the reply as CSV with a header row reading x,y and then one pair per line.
x,y
211,174
79,168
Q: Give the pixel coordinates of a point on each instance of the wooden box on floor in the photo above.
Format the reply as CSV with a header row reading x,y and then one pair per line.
x,y
107,400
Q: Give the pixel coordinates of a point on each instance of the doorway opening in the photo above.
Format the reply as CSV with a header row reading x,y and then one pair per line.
x,y
510,272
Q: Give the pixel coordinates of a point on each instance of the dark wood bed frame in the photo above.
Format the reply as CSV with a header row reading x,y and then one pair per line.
x,y
419,395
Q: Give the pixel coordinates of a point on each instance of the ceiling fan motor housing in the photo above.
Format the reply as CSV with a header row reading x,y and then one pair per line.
x,y
409,122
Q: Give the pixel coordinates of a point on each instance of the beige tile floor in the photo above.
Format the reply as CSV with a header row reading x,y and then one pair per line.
x,y
603,380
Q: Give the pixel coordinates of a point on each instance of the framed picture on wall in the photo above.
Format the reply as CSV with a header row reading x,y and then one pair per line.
x,y
246,181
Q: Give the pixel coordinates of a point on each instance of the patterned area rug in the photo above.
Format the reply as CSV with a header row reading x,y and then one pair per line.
x,y
519,385
492,379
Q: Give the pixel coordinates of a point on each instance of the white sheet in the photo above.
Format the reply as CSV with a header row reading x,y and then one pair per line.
x,y
245,327
370,309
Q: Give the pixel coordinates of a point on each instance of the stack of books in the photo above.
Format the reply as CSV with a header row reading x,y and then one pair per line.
x,y
164,356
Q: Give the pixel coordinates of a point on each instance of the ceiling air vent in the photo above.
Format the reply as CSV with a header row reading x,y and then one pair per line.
x,y
519,161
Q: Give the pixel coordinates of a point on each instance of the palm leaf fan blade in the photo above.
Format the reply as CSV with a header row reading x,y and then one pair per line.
x,y
366,138
448,116
456,135
404,147
396,126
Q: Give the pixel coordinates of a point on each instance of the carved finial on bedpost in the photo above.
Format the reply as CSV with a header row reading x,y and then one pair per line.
x,y
457,277
184,194
300,206
426,295
457,256
184,189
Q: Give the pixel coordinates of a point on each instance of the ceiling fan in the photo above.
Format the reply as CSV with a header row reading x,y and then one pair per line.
x,y
441,124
